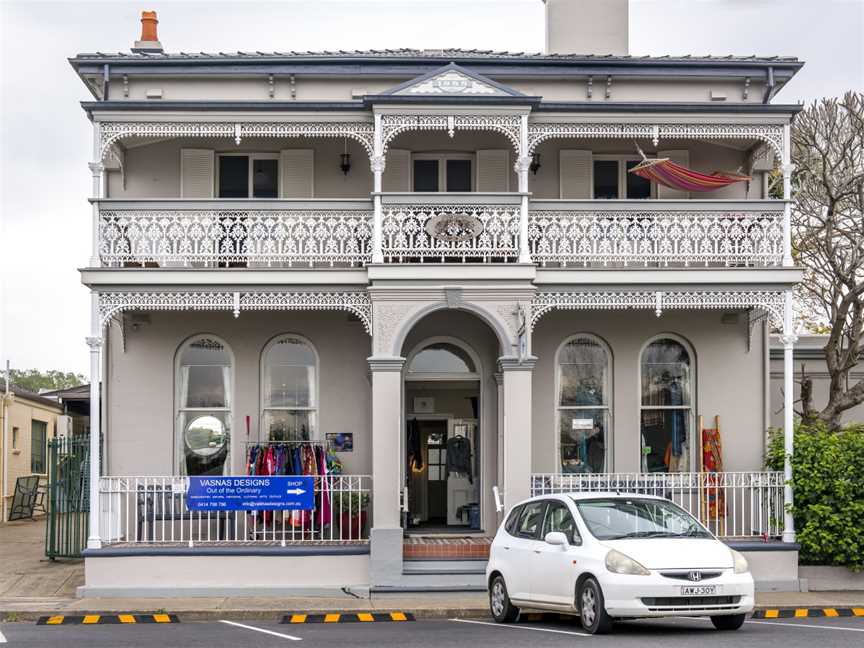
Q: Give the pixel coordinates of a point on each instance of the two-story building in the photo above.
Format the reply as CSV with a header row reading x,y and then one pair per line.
x,y
438,281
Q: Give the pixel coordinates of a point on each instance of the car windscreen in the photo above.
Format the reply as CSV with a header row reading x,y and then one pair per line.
x,y
620,518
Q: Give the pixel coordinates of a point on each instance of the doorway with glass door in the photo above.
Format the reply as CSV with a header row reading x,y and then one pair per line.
x,y
442,442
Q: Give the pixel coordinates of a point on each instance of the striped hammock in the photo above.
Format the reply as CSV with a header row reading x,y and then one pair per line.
x,y
666,172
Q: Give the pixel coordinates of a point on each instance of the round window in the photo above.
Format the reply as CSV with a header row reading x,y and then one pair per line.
x,y
205,436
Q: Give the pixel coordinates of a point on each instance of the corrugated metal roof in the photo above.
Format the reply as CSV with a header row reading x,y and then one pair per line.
x,y
448,54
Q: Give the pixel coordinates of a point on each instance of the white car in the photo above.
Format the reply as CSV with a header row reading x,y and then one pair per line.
x,y
607,556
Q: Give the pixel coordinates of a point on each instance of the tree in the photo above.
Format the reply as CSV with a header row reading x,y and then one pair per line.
x,y
828,239
34,380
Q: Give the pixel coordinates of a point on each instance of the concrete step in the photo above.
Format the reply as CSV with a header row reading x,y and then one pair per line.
x,y
455,580
444,566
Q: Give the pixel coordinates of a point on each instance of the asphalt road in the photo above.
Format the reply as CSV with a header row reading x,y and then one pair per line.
x,y
476,633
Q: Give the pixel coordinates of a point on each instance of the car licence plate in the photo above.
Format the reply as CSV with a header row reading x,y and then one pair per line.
x,y
700,590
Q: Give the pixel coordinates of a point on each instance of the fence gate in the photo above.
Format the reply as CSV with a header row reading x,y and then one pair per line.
x,y
68,500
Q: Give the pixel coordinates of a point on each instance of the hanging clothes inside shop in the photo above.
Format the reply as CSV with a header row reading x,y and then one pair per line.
x,y
459,457
414,446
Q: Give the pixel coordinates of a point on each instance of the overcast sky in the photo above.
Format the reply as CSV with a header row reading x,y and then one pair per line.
x,y
45,137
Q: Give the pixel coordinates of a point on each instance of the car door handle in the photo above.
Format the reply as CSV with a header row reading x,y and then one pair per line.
x,y
537,551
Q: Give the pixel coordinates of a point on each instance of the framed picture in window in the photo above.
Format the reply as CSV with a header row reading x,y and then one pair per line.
x,y
424,405
341,441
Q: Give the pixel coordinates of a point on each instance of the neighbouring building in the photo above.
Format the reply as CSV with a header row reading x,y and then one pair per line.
x,y
27,422
437,280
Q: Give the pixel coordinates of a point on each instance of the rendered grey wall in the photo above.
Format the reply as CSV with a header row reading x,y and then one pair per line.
x,y
140,383
728,380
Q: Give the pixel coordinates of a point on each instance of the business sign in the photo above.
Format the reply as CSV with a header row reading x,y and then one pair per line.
x,y
256,493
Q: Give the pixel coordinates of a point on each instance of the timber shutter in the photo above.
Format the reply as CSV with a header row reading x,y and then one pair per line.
x,y
196,173
681,157
576,174
397,173
493,170
297,173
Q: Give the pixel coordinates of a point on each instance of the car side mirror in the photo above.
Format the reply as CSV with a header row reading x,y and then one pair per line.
x,y
556,538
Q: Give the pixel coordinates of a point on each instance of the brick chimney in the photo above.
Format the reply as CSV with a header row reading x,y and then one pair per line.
x,y
587,27
149,41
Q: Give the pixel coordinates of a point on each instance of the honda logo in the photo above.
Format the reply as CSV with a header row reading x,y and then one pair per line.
x,y
695,576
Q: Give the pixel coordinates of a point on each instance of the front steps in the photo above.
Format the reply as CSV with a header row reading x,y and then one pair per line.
x,y
439,576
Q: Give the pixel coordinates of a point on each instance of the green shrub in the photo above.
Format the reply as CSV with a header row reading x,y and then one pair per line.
x,y
828,484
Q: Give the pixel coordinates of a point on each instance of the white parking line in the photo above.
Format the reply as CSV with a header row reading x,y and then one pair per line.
x,y
269,632
518,627
2,638
806,625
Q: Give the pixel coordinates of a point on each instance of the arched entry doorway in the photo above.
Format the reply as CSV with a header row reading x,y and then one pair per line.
x,y
450,428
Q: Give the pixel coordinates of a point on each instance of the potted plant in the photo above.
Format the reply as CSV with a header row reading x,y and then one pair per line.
x,y
351,509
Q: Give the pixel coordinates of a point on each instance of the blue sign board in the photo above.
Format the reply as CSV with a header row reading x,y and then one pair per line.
x,y
256,493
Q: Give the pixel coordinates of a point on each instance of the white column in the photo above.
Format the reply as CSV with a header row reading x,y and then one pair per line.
x,y
386,441
95,344
517,428
787,167
523,164
789,338
97,169
378,164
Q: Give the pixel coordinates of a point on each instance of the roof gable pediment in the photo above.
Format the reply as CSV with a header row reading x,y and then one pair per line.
x,y
453,81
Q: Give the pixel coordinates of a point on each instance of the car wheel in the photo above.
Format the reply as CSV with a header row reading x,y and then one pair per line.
x,y
728,621
592,608
503,611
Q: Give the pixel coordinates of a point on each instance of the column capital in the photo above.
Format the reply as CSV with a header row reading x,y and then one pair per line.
x,y
514,363
378,163
787,169
385,363
96,168
789,340
522,164
94,342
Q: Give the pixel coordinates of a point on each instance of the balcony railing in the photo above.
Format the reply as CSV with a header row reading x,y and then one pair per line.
x,y
152,510
213,233
729,504
655,232
463,227
439,228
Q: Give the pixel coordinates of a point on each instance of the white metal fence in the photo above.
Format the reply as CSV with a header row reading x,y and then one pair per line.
x,y
152,510
729,504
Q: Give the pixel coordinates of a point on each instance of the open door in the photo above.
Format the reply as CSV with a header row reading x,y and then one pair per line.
x,y
463,488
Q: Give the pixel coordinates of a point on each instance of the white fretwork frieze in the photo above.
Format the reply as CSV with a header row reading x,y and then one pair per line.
x,y
113,132
769,301
395,124
265,237
358,303
654,236
772,134
452,231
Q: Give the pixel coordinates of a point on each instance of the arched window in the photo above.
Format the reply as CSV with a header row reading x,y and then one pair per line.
x,y
666,380
584,388
203,406
289,387
442,357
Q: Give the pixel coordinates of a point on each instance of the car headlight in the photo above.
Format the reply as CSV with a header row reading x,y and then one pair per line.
x,y
618,563
740,562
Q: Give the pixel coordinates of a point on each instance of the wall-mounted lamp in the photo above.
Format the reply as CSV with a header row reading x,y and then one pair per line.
x,y
535,163
345,164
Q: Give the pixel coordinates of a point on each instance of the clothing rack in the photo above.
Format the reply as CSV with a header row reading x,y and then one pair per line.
x,y
275,443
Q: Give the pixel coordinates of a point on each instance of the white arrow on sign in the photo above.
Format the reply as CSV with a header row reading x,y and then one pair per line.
x,y
295,491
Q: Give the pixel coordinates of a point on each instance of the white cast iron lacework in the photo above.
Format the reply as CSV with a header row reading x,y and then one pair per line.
x,y
769,301
769,133
112,132
265,237
112,303
651,236
442,232
394,124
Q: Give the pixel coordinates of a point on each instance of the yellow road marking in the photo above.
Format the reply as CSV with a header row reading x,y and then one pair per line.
x,y
298,618
830,612
365,616
91,618
772,614
801,612
331,618
55,620
398,616
126,618
161,618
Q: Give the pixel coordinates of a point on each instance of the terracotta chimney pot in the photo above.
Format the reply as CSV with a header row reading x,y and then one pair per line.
x,y
148,26
149,43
